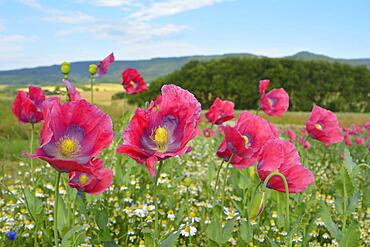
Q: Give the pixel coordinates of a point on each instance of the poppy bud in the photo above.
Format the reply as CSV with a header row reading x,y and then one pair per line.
x,y
92,69
65,68
256,205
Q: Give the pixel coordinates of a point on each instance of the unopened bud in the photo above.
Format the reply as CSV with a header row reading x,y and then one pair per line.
x,y
256,205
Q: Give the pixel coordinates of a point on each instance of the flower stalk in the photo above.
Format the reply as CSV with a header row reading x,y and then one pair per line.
x,y
276,173
56,238
155,198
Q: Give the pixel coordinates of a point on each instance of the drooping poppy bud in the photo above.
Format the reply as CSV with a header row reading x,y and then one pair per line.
x,y
256,205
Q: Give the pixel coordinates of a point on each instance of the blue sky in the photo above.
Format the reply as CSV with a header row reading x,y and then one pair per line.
x,y
39,32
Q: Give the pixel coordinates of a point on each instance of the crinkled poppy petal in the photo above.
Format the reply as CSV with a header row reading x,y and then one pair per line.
x,y
103,66
263,86
220,111
132,81
73,94
96,181
324,126
36,95
150,165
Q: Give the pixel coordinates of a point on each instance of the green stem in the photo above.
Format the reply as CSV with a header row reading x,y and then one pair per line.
x,y
364,165
31,147
306,139
156,233
345,201
217,178
276,173
92,88
56,239
225,181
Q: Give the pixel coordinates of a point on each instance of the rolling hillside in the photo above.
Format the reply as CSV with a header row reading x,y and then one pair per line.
x,y
150,69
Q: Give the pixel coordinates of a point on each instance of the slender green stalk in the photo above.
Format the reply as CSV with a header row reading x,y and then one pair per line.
x,y
156,232
31,147
56,239
364,165
225,183
92,89
276,173
217,178
306,139
345,201
225,180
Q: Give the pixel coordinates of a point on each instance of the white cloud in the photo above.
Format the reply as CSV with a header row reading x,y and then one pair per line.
x,y
127,32
12,48
171,7
165,48
56,15
75,17
113,3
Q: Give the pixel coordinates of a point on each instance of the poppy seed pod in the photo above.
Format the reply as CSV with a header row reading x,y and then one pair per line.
x,y
92,69
65,68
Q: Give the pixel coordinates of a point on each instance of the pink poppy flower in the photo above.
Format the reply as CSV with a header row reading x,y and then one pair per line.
x,y
27,107
359,141
72,134
73,94
348,140
355,130
324,126
367,126
274,130
245,140
133,82
104,65
291,135
220,111
94,182
282,156
275,102
164,129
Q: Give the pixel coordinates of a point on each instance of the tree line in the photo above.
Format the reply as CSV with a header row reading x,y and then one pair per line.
x,y
335,86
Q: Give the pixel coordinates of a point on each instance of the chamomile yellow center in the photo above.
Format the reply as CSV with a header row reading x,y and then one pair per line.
x,y
161,137
68,147
318,126
83,179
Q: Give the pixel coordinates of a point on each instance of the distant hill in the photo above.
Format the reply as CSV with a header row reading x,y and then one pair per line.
x,y
307,56
150,69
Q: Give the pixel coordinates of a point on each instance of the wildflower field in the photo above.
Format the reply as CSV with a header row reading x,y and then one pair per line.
x,y
168,174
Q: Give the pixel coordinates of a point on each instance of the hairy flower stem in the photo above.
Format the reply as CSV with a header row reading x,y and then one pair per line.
x,y
217,179
276,173
56,239
225,182
92,89
31,147
155,185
